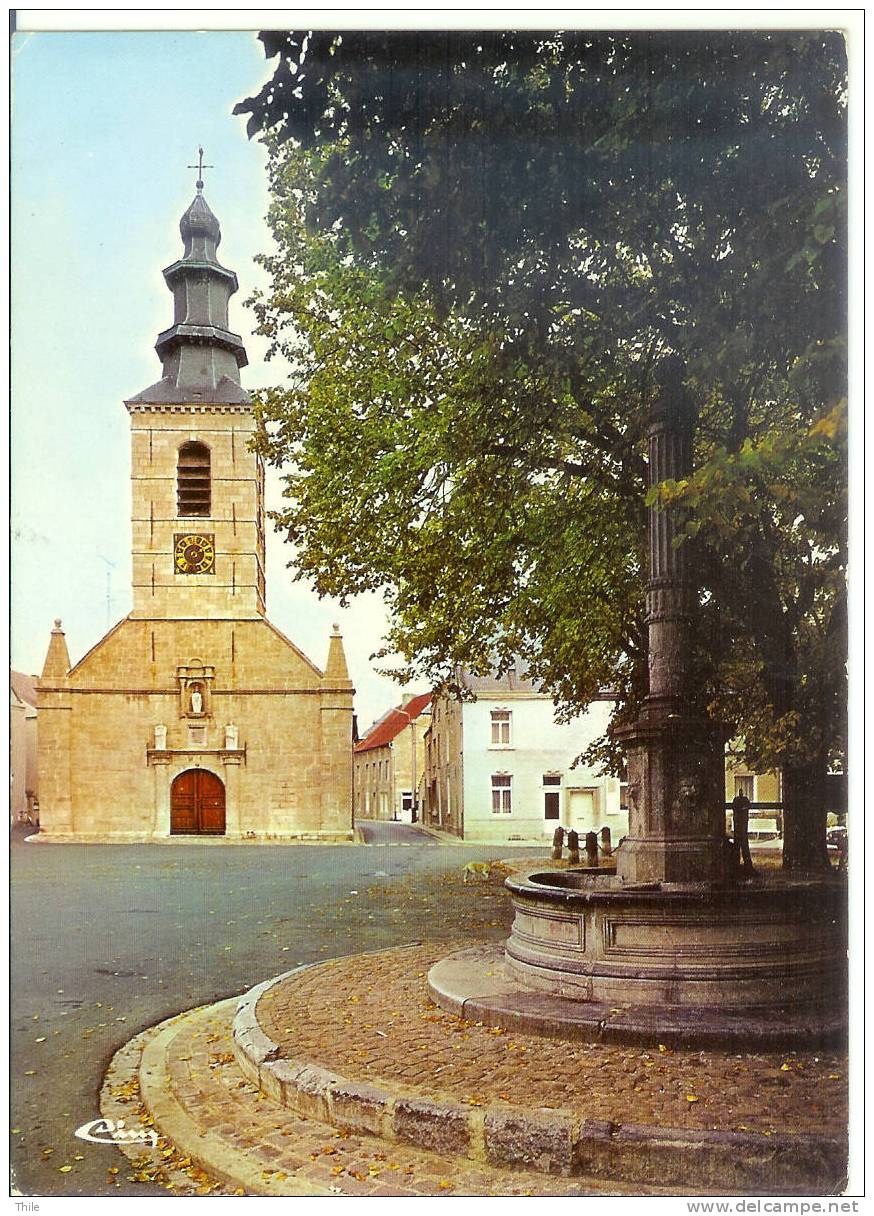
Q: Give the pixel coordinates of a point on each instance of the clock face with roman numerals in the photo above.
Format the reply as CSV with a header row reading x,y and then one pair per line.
x,y
194,553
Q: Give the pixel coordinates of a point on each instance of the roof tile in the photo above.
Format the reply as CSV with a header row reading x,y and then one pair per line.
x,y
391,724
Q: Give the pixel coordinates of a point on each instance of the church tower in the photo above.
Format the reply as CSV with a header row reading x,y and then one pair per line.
x,y
194,715
197,489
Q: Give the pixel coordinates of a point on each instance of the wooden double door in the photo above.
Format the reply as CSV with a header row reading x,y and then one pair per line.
x,y
197,804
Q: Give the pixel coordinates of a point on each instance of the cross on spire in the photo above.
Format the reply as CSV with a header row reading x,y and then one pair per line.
x,y
200,166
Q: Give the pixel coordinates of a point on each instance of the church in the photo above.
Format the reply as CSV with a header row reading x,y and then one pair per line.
x,y
195,716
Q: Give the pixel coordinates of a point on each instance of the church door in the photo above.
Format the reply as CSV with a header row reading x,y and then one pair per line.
x,y
197,804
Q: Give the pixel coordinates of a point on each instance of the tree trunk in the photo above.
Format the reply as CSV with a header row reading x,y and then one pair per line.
x,y
805,817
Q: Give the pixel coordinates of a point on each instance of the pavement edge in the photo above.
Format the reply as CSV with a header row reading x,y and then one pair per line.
x,y
208,1151
550,1141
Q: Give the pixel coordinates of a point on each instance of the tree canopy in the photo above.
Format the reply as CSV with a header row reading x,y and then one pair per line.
x,y
486,245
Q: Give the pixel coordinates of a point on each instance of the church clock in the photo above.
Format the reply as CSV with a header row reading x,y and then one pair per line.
x,y
194,553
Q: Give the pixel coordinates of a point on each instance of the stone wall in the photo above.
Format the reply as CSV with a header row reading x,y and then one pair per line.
x,y
236,588
444,767
104,771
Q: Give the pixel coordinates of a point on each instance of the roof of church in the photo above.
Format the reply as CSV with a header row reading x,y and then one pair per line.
x,y
166,391
390,725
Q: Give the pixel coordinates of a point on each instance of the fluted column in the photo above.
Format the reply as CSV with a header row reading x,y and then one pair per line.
x,y
670,592
675,759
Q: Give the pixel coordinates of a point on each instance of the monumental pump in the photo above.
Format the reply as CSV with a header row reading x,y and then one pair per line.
x,y
670,944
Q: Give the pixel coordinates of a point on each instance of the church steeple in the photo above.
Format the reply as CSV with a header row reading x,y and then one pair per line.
x,y
197,488
202,357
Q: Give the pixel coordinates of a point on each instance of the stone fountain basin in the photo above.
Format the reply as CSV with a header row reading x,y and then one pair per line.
x,y
585,935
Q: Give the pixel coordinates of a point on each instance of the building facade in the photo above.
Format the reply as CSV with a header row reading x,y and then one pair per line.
x,y
501,768
195,715
23,773
389,762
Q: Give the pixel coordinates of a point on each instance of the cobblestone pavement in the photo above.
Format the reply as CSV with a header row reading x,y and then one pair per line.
x,y
378,1022
220,1136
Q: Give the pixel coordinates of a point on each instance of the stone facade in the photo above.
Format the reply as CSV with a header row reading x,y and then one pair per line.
x,y
235,524
444,767
116,731
195,692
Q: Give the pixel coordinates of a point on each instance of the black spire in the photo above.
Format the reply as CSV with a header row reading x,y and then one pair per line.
x,y
201,356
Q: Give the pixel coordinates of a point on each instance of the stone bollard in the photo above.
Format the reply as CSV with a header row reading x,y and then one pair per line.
x,y
557,843
573,844
606,845
591,848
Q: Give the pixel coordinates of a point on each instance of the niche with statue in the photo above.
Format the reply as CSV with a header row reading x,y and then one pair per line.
x,y
195,684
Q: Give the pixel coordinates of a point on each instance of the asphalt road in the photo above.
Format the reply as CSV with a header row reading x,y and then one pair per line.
x,y
109,939
376,831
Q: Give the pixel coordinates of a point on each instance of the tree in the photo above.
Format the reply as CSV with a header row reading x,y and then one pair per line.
x,y
487,243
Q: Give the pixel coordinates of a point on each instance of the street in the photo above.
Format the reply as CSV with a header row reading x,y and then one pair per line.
x,y
107,940
377,831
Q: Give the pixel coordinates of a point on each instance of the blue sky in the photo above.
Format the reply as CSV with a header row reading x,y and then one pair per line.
x,y
104,127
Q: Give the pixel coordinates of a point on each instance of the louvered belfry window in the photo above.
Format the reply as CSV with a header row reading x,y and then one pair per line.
x,y
192,480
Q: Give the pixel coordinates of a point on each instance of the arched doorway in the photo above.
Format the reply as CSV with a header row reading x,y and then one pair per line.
x,y
197,804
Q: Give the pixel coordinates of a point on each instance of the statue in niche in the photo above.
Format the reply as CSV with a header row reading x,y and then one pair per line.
x,y
196,701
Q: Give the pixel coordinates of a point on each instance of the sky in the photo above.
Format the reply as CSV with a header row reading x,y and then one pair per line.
x,y
104,128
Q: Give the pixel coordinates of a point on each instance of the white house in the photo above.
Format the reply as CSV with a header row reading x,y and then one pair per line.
x,y
500,768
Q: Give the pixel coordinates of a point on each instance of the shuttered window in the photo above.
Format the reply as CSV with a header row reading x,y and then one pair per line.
x,y
193,480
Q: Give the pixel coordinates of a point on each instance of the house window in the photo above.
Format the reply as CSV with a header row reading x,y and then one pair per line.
x,y
502,796
192,480
500,728
623,789
551,796
407,800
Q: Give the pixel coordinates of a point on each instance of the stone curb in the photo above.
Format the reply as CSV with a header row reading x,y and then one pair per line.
x,y
549,1141
207,1150
222,1142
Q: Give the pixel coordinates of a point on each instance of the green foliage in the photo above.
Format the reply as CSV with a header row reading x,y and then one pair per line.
x,y
440,462
486,245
